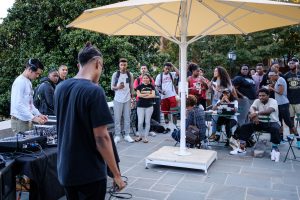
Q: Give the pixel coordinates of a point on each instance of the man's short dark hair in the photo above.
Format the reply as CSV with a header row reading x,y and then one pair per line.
x,y
123,60
260,64
34,64
193,66
264,90
168,64
87,53
52,70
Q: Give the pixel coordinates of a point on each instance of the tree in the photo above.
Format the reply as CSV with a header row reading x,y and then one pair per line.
x,y
37,28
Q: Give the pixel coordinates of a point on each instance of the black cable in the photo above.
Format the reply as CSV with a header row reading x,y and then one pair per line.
x,y
113,191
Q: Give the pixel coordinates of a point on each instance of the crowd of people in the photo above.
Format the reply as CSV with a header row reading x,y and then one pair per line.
x,y
260,101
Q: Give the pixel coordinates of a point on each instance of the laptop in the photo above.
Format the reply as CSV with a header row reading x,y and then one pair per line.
x,y
226,109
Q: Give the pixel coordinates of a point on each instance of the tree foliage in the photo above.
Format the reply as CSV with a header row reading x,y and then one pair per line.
x,y
37,28
260,47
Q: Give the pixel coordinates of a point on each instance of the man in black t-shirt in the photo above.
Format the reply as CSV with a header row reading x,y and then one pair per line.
x,y
84,145
293,88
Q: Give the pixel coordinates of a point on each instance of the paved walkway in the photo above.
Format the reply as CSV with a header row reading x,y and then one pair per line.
x,y
228,178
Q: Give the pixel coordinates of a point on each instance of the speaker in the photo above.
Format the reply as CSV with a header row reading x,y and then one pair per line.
x,y
33,67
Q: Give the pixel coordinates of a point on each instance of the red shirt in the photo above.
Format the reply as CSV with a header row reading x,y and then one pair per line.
x,y
197,87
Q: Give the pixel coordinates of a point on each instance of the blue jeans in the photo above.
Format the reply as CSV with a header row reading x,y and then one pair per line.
x,y
215,118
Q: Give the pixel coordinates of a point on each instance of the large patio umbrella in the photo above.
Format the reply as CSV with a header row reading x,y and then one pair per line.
x,y
178,19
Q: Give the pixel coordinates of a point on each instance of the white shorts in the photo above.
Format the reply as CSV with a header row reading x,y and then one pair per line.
x,y
294,109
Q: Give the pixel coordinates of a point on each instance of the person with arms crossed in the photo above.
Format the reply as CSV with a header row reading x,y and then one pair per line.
x,y
84,145
22,110
146,94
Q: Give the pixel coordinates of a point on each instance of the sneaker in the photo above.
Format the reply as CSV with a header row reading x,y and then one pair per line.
x,y
151,133
238,151
128,139
277,155
117,139
273,155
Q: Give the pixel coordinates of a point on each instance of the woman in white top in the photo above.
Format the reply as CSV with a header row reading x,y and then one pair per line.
x,y
227,106
220,81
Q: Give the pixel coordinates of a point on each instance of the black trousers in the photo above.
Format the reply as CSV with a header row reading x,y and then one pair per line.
x,y
246,130
229,124
91,191
284,114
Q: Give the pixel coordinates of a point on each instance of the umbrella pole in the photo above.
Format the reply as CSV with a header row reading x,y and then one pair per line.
x,y
183,83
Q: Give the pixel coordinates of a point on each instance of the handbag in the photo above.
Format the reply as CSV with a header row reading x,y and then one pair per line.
x,y
193,133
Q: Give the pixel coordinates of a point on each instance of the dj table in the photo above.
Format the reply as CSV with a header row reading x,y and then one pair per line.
x,y
41,169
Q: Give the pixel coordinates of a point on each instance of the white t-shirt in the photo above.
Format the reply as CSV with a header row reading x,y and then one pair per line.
x,y
167,84
122,95
263,107
21,105
281,99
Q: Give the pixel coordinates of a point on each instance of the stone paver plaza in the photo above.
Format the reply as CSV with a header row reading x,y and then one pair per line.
x,y
228,178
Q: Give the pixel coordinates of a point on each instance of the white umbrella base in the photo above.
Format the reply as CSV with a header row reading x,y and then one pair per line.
x,y
197,159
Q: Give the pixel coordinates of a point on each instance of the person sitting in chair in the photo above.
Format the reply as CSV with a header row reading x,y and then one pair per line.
x,y
226,107
264,117
196,117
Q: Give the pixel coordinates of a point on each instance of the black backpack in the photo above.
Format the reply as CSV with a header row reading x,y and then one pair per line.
x,y
37,96
37,99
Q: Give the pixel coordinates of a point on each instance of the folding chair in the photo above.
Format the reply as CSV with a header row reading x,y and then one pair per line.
x,y
257,134
291,139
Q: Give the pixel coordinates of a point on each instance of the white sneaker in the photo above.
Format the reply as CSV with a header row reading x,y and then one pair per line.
x,y
277,156
237,151
117,139
151,133
128,138
273,155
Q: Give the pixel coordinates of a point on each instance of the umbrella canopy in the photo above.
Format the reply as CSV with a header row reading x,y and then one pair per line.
x,y
205,17
178,19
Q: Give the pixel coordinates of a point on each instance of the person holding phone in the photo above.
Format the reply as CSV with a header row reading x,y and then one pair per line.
x,y
122,85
